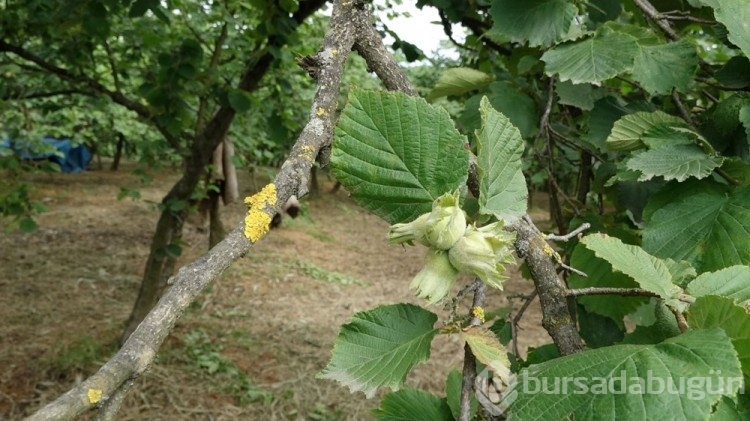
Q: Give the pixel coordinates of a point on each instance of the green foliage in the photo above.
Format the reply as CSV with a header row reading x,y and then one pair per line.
x,y
206,354
540,22
503,190
397,154
379,347
321,274
601,57
728,282
600,274
412,404
711,358
705,224
81,355
459,81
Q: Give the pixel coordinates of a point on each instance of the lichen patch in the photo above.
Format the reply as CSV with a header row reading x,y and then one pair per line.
x,y
257,221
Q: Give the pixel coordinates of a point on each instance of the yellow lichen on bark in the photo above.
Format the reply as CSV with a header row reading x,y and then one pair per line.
x,y
307,153
94,395
257,221
478,312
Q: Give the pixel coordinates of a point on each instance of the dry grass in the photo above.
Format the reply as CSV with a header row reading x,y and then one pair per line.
x,y
249,348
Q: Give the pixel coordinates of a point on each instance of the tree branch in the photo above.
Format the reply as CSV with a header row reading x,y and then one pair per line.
x,y
557,318
470,362
94,85
624,292
39,95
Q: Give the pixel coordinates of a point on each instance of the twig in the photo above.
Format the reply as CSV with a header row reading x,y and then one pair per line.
x,y
112,66
625,292
683,15
681,108
448,30
682,323
470,362
657,17
583,227
528,299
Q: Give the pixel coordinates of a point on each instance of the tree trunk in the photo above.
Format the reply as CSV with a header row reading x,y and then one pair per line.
x,y
118,152
216,230
160,264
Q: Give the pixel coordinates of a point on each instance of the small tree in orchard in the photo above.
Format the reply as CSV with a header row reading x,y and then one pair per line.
x,y
634,117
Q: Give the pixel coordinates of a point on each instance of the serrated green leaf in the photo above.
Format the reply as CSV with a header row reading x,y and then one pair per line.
x,y
722,312
728,410
540,22
487,348
713,311
599,274
396,154
613,389
516,105
592,60
412,405
628,131
682,271
649,272
707,226
379,347
503,191
735,15
601,120
668,135
733,282
642,34
239,100
678,162
735,74
581,96
659,68
457,81
738,169
725,116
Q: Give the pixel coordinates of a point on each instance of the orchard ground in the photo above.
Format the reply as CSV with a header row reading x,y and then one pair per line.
x,y
250,346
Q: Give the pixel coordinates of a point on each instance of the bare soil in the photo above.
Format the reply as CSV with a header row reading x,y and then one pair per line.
x,y
249,347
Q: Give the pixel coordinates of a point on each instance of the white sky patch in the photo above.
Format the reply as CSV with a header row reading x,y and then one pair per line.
x,y
422,28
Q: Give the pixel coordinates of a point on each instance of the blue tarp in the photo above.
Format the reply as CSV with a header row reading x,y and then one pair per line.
x,y
71,158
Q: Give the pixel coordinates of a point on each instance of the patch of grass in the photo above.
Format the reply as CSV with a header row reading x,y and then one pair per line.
x,y
321,274
307,224
81,355
319,413
230,314
206,354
